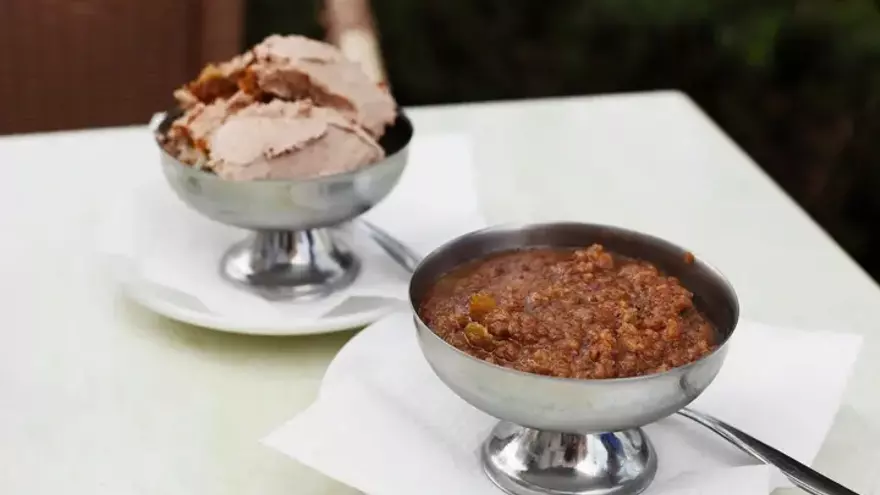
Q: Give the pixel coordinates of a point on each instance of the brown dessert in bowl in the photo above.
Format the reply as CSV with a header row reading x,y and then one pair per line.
x,y
570,313
574,335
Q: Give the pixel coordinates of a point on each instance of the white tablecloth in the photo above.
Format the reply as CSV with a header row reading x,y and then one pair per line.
x,y
102,397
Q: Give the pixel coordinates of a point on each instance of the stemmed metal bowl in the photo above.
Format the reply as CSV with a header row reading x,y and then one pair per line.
x,y
295,250
573,436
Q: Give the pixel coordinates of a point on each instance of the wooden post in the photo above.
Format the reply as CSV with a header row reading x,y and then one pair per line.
x,y
350,26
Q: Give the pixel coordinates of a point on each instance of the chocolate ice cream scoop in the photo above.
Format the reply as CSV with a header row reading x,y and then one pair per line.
x,y
290,108
291,67
289,140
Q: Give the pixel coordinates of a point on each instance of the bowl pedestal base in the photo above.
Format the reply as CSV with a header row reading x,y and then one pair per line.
x,y
525,461
291,265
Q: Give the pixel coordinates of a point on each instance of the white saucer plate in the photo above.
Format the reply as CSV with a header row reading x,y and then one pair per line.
x,y
352,313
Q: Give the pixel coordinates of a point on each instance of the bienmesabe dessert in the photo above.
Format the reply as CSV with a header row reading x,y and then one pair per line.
x,y
571,313
289,108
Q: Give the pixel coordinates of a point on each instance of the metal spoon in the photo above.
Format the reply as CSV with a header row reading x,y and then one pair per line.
x,y
801,475
398,251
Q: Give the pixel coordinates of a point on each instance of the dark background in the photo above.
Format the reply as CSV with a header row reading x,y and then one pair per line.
x,y
795,83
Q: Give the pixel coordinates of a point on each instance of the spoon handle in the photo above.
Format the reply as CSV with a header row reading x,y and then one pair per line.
x,y
801,475
399,252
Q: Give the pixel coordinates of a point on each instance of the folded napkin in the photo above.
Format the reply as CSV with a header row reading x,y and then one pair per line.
x,y
155,238
385,424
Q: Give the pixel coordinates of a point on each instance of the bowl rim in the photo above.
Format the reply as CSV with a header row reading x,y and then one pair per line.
x,y
163,117
567,380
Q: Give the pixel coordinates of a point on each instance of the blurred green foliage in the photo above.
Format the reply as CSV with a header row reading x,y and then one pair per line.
x,y
795,82
265,17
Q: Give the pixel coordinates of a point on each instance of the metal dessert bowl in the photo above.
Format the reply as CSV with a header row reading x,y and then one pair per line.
x,y
566,435
295,250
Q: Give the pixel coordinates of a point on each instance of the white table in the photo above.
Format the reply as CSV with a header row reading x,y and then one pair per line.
x,y
102,397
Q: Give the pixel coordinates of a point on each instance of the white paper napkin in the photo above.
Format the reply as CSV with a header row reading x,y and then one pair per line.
x,y
385,424
156,238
